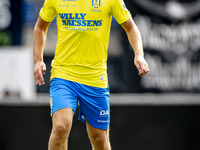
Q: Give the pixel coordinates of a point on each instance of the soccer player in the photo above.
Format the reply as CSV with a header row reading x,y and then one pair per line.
x,y
79,68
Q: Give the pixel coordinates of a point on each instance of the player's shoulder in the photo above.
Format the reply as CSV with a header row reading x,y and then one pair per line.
x,y
117,2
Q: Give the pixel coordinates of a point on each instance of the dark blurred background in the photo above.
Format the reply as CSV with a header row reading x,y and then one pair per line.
x,y
158,111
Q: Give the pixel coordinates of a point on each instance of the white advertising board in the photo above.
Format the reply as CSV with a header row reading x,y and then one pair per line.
x,y
16,73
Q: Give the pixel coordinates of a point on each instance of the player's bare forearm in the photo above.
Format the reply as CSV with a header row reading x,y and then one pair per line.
x,y
134,36
135,40
38,44
39,39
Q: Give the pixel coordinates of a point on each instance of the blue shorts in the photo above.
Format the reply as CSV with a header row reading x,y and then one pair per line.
x,y
94,102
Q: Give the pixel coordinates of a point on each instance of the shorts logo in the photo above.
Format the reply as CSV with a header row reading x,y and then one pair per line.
x,y
51,103
104,112
103,121
96,4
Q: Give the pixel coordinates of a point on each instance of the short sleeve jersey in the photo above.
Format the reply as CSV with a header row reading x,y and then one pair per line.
x,y
83,37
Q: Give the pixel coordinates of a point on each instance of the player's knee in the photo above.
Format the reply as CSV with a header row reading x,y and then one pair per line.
x,y
99,139
61,129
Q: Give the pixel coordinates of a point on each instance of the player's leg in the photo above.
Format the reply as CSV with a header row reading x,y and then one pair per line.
x,y
62,122
63,102
95,111
99,138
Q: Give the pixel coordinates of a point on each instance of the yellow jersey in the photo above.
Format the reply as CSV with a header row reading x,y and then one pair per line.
x,y
83,37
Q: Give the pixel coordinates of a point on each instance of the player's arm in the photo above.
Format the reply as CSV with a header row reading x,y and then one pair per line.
x,y
135,40
39,39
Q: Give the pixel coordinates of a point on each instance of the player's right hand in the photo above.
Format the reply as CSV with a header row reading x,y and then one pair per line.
x,y
39,71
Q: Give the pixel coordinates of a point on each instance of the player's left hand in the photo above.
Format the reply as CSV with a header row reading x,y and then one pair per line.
x,y
141,65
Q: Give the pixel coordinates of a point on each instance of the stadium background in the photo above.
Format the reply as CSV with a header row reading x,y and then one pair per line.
x,y
158,111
